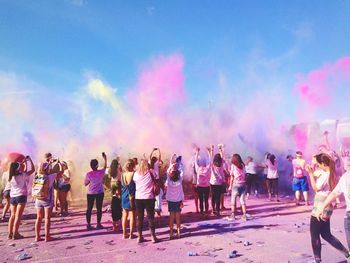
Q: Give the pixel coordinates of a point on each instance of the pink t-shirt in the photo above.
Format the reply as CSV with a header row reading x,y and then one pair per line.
x,y
96,181
238,175
144,186
203,175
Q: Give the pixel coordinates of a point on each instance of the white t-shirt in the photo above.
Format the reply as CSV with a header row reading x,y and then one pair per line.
x,y
5,181
203,175
322,183
238,175
343,186
155,170
19,185
271,170
217,176
144,186
175,191
96,181
250,168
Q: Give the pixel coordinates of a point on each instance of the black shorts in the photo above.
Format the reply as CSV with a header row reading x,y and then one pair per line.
x,y
6,194
64,188
18,200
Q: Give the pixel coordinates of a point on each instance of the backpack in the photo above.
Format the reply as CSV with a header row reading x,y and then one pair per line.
x,y
40,188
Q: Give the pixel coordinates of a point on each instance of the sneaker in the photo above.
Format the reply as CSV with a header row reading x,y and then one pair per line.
x,y
140,239
244,217
155,239
99,226
232,217
89,227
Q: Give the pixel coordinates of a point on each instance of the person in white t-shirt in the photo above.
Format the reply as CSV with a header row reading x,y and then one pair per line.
x,y
174,197
323,182
6,193
343,187
94,181
251,176
144,199
18,177
272,176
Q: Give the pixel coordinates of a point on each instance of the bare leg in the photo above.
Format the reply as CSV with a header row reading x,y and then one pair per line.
x,y
19,212
6,208
124,221
38,221
171,224
12,221
306,197
297,197
48,212
132,224
178,224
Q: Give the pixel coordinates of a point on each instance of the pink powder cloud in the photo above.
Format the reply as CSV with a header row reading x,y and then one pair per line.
x,y
317,87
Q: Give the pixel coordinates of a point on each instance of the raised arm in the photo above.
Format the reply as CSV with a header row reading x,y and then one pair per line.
x,y
311,171
104,158
32,168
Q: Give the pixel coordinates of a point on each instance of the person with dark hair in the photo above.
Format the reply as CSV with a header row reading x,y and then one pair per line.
x,y
252,178
116,206
300,182
174,197
115,172
217,180
238,186
154,163
272,176
323,182
94,181
203,169
64,186
128,198
341,188
18,177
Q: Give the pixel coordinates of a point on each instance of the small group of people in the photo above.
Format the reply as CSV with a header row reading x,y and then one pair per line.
x,y
17,177
137,189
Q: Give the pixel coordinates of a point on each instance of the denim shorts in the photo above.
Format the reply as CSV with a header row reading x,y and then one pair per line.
x,y
18,200
174,206
300,184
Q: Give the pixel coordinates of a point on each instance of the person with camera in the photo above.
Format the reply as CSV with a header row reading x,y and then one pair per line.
x,y
43,192
18,177
94,181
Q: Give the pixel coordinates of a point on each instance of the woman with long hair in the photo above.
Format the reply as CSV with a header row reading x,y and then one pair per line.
x,y
238,185
217,180
64,186
128,198
323,181
144,199
18,177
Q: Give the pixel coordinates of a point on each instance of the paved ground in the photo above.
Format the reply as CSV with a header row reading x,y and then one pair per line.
x,y
278,232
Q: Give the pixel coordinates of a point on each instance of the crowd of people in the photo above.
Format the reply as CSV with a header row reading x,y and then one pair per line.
x,y
140,185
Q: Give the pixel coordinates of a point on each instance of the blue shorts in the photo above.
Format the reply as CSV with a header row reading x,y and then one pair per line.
x,y
300,184
174,206
18,200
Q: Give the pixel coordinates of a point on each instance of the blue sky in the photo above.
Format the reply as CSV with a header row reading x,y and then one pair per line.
x,y
252,45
